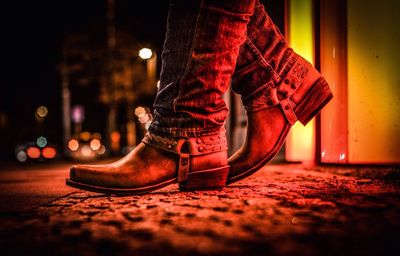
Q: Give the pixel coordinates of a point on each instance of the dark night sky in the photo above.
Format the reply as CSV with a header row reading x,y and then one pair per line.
x,y
30,50
32,32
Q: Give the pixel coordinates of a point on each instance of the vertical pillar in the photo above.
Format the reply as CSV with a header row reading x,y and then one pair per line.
x,y
333,63
300,143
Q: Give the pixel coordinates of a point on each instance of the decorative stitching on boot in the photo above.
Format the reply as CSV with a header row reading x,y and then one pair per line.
x,y
197,146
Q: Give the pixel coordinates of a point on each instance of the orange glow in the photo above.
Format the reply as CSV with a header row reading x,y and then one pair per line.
x,y
115,136
41,111
87,151
96,135
334,135
73,145
95,144
300,143
49,152
33,152
85,136
140,111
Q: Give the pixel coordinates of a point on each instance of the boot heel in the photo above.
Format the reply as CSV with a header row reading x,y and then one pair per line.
x,y
210,179
316,99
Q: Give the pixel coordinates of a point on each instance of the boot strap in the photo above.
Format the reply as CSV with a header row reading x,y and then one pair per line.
x,y
272,95
183,167
195,146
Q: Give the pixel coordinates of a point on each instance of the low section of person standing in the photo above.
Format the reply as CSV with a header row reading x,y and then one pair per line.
x,y
208,44
186,142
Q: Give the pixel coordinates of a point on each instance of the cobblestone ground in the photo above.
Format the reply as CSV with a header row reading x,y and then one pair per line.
x,y
282,210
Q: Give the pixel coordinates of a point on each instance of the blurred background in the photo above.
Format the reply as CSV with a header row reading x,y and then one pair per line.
x,y
72,76
78,78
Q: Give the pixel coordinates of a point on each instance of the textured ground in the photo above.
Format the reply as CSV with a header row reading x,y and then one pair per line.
x,y
282,210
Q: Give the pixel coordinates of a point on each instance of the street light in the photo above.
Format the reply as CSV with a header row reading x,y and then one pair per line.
x,y
151,62
145,53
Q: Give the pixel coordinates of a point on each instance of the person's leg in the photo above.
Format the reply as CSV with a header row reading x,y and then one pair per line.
x,y
278,87
186,141
199,57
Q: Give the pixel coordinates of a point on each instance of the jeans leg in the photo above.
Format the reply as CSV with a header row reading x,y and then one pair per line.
x,y
199,57
264,59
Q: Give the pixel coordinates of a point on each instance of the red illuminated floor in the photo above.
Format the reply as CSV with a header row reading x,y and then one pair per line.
x,y
282,210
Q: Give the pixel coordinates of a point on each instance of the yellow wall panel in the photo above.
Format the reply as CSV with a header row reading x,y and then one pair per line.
x,y
373,81
300,143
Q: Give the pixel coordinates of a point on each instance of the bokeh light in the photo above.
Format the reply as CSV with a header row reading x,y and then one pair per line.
x,y
86,151
85,136
115,141
21,156
49,152
41,142
42,111
140,111
145,53
33,152
144,115
78,114
101,150
115,136
73,145
95,144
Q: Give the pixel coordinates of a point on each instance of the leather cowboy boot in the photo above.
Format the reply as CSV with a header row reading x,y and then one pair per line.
x,y
196,164
278,87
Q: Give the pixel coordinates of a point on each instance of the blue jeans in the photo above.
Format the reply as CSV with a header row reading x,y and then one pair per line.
x,y
208,44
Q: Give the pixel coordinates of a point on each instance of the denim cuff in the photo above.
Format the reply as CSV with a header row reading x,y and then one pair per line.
x,y
179,132
261,86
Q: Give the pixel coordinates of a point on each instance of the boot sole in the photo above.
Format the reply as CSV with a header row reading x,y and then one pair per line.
x,y
316,99
120,191
210,179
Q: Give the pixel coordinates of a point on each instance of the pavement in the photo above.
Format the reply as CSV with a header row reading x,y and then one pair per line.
x,y
24,187
284,209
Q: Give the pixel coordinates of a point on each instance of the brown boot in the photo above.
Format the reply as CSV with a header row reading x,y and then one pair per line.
x,y
271,112
195,163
